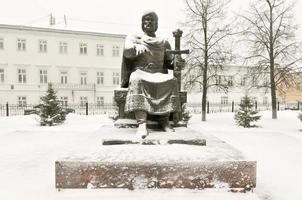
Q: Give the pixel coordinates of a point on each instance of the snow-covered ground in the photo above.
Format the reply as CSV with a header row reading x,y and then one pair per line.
x,y
28,153
276,145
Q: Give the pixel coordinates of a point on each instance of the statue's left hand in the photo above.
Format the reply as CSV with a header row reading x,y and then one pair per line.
x,y
180,63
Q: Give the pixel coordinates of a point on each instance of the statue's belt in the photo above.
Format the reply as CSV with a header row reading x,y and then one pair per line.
x,y
151,68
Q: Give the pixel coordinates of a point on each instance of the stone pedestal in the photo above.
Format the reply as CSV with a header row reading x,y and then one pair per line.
x,y
233,174
178,164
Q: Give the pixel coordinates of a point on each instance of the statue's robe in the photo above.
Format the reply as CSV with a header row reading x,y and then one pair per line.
x,y
150,87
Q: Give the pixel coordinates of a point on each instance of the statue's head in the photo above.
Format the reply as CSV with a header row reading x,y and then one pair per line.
x,y
150,23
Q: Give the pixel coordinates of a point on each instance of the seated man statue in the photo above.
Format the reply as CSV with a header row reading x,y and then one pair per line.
x,y
151,90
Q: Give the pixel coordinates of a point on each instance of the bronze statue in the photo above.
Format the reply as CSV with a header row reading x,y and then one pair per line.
x,y
151,90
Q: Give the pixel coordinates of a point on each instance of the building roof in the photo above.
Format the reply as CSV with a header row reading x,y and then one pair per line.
x,y
58,30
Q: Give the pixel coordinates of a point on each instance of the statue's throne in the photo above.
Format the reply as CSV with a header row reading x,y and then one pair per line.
x,y
128,119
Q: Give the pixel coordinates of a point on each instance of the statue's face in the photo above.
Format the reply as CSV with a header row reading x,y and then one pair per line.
x,y
149,24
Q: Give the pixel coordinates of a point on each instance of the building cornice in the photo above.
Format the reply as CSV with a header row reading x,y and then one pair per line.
x,y
62,31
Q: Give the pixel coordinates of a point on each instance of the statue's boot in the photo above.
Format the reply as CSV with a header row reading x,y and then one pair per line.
x,y
164,122
141,118
168,128
142,131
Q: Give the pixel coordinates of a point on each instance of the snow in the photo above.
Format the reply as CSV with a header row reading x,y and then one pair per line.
x,y
28,152
215,150
151,77
277,147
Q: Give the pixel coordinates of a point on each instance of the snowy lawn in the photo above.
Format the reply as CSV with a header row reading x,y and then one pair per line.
x,y
28,153
276,145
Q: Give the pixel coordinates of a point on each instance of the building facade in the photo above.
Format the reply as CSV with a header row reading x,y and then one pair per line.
x,y
82,66
239,82
85,67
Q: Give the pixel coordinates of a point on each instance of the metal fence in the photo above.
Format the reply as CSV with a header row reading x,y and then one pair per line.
x,y
213,107
95,109
82,109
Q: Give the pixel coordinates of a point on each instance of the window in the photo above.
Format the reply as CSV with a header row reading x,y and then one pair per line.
x,y
43,76
254,99
63,47
192,78
21,75
42,46
1,75
99,50
1,43
64,77
243,81
266,82
229,80
218,80
22,101
83,101
254,82
21,44
83,49
64,101
265,100
224,80
100,78
224,100
83,78
116,78
100,101
115,51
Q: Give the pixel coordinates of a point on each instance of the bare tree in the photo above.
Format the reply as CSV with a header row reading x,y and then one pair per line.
x,y
207,37
273,51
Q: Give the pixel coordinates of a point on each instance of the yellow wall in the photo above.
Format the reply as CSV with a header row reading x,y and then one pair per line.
x,y
294,93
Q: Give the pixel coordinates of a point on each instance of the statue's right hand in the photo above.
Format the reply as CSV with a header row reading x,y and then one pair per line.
x,y
140,49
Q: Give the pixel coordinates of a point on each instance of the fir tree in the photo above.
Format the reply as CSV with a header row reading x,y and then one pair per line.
x,y
51,110
246,114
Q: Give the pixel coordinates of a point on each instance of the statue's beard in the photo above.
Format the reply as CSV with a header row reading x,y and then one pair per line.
x,y
149,29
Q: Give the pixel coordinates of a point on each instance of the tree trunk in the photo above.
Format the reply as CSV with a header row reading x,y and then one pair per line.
x,y
272,67
205,72
274,104
204,104
273,89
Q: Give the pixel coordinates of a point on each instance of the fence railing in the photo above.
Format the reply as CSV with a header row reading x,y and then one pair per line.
x,y
82,109
94,109
213,107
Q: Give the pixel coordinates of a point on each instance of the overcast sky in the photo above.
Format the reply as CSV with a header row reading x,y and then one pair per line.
x,y
111,16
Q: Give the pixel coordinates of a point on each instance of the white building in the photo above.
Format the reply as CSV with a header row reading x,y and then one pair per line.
x,y
83,66
240,82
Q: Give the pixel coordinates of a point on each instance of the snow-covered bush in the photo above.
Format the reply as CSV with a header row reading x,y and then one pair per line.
x,y
51,111
185,113
113,115
246,114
